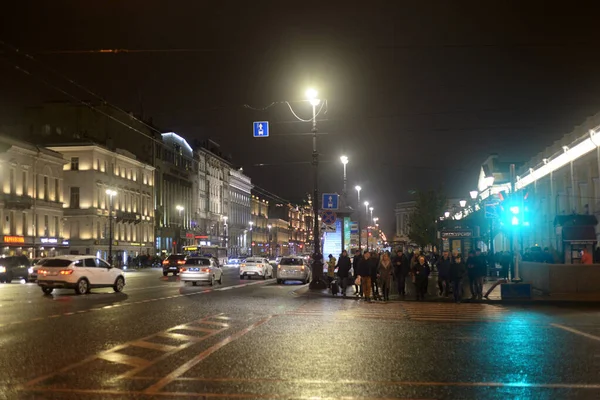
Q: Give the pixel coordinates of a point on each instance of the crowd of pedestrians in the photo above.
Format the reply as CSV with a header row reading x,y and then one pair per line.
x,y
373,273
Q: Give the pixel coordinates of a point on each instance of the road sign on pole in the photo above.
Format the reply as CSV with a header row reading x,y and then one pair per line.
x,y
328,217
330,228
260,129
330,201
491,210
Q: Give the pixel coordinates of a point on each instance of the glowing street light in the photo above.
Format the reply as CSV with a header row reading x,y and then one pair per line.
x,y
462,203
473,194
358,189
344,161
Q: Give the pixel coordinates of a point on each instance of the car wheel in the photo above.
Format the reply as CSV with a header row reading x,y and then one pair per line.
x,y
82,287
165,273
119,284
241,277
212,280
194,283
47,290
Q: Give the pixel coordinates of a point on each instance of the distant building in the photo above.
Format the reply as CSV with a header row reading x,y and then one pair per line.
x,y
403,212
31,200
89,172
259,208
240,188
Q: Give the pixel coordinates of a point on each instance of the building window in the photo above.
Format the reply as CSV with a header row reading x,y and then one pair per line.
x,y
12,181
12,223
24,183
98,164
74,163
46,190
74,198
56,227
56,190
46,227
24,227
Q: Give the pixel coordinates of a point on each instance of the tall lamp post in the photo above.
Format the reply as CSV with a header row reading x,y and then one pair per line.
x,y
251,234
111,193
344,161
269,240
317,276
180,211
358,189
370,209
225,231
367,223
376,228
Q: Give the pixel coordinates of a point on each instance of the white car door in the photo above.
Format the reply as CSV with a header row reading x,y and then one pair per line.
x,y
90,270
104,272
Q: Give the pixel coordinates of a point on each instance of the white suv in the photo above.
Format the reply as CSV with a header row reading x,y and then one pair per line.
x,y
81,273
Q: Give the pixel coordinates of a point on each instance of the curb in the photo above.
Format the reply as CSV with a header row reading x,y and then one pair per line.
x,y
516,302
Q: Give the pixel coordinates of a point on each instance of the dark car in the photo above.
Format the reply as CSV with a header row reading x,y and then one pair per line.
x,y
173,264
14,267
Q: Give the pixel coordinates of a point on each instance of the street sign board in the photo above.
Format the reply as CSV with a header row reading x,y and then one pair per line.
x,y
260,129
491,211
354,227
328,217
330,201
328,228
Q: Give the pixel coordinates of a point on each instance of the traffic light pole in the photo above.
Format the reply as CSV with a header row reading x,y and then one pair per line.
x,y
515,252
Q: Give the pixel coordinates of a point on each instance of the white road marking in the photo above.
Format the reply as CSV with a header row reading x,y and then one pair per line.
x,y
577,332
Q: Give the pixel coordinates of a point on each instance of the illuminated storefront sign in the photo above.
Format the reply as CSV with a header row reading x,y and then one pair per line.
x,y
14,239
46,240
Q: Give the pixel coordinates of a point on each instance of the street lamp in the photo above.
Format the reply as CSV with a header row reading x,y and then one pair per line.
x,y
462,203
367,207
251,234
270,251
179,209
317,276
371,209
111,193
344,160
225,230
473,194
358,189
447,214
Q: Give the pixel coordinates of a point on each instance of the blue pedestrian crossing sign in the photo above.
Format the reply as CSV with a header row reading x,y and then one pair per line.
x,y
261,129
330,201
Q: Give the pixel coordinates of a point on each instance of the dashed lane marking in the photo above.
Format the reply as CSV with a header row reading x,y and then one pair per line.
x,y
576,331
209,326
116,305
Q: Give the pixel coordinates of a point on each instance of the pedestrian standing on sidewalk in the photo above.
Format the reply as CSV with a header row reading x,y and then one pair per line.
x,y
471,274
330,269
355,263
374,263
481,268
401,271
457,271
420,272
443,267
385,271
364,271
343,267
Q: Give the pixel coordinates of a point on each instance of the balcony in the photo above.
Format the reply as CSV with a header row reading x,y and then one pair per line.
x,y
128,217
16,202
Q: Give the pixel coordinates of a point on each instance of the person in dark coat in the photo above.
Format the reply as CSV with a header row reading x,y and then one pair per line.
x,y
355,263
374,266
481,267
343,266
421,273
443,267
471,274
366,265
458,269
401,271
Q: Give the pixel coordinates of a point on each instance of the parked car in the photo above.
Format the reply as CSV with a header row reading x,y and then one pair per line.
x,y
294,269
256,266
201,269
14,267
81,273
173,263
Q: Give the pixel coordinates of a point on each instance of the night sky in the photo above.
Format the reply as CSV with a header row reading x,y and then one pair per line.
x,y
419,93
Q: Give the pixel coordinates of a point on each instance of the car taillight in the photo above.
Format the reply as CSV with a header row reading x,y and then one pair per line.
x,y
2,269
180,262
260,265
279,267
166,262
302,268
183,269
205,269
242,265
66,272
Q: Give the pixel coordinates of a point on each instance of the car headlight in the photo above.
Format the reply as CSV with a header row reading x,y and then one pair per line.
x,y
2,269
30,270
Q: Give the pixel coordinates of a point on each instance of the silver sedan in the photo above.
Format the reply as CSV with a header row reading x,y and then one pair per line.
x,y
293,269
201,269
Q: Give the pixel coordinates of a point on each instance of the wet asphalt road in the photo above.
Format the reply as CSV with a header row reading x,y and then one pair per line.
x,y
257,339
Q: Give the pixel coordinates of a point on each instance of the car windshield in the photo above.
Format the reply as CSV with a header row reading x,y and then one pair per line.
x,y
197,261
176,257
57,262
291,261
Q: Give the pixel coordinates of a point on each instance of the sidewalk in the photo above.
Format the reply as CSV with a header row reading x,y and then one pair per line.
x,y
494,296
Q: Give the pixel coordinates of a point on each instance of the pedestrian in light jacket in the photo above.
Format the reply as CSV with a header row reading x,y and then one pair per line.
x,y
384,273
